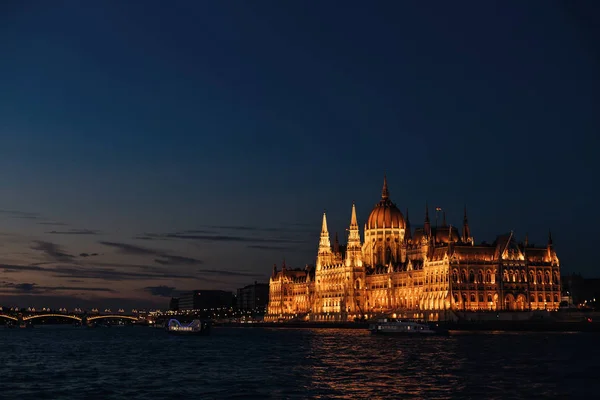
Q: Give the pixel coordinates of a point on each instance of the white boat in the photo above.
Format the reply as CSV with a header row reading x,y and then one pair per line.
x,y
196,327
395,327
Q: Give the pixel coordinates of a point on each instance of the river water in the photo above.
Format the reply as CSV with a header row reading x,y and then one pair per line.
x,y
260,363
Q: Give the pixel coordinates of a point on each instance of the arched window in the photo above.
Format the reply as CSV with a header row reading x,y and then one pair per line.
x,y
547,277
455,276
523,276
388,255
488,276
480,276
471,277
472,297
463,276
505,276
539,277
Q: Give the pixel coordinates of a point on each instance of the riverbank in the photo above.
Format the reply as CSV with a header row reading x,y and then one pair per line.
x,y
466,326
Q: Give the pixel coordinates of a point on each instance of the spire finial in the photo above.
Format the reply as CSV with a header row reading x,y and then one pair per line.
x,y
385,193
465,218
444,218
353,219
324,225
426,212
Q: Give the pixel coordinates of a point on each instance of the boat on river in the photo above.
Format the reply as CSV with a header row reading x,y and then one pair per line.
x,y
196,327
397,327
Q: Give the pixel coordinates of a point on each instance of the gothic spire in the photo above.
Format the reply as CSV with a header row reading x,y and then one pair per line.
x,y
407,234
385,193
353,220
353,233
336,244
466,230
324,244
427,225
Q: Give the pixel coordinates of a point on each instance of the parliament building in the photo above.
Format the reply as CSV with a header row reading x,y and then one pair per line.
x,y
424,273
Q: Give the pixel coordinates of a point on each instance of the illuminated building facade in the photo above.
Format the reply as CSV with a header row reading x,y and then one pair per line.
x,y
426,273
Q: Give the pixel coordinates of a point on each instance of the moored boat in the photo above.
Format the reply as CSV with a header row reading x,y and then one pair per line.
x,y
396,327
196,327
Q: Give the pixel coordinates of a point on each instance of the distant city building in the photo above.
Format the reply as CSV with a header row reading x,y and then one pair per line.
x,y
253,297
579,289
205,300
174,304
418,273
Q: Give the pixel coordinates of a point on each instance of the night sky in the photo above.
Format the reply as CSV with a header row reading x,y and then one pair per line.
x,y
150,147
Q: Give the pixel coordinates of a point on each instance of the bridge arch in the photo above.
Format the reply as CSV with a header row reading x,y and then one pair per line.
x,y
9,317
92,318
28,317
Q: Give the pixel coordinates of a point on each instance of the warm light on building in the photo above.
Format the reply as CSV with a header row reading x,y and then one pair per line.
x,y
421,273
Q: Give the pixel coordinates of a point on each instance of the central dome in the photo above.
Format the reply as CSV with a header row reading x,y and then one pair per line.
x,y
385,213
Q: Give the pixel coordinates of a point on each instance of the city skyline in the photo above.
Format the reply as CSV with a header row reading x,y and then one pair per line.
x,y
138,162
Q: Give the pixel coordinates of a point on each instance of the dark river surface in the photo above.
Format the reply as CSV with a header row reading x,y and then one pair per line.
x,y
259,363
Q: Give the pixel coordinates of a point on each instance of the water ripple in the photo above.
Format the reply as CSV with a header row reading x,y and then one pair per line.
x,y
138,363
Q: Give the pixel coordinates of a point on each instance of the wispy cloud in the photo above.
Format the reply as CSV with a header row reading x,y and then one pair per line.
x,y
226,273
21,214
290,234
75,232
88,254
268,247
35,288
163,257
230,238
53,251
106,274
162,291
50,223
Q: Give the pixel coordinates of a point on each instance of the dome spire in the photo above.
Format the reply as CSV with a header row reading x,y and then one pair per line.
x,y
385,193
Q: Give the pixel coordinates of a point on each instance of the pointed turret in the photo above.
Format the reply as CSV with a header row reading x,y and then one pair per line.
x,y
427,224
336,245
385,193
353,233
450,241
407,234
274,270
283,265
324,244
444,219
466,231
550,247
526,240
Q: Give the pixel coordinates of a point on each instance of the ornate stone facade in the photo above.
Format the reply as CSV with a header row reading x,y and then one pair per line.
x,y
423,273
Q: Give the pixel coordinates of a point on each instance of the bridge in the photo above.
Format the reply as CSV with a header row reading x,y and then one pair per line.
x,y
82,318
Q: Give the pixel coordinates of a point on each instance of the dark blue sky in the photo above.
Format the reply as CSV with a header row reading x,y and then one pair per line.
x,y
132,123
